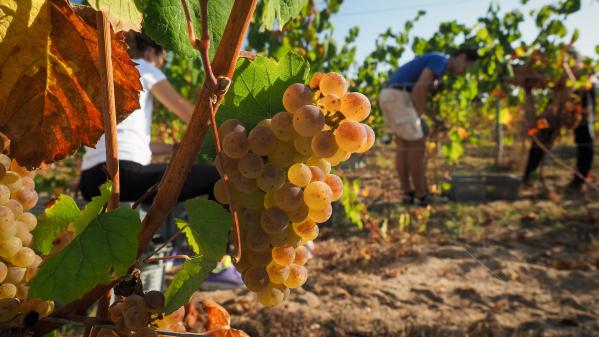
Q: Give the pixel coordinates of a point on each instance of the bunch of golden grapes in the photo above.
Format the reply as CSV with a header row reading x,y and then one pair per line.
x,y
18,262
141,315
279,181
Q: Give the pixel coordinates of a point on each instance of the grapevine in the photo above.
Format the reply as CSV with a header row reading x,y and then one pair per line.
x,y
278,177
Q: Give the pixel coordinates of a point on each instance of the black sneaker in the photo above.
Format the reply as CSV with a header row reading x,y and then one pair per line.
x,y
422,201
408,198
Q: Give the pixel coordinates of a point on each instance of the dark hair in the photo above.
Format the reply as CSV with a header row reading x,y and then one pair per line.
x,y
139,42
471,53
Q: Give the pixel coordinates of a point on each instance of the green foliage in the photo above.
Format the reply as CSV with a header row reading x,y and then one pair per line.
x,y
105,249
92,209
279,10
52,222
257,91
207,233
164,22
353,207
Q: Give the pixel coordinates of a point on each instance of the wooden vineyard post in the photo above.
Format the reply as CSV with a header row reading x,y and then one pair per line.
x,y
109,119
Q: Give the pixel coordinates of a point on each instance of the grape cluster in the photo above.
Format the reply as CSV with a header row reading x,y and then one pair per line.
x,y
18,262
278,179
140,316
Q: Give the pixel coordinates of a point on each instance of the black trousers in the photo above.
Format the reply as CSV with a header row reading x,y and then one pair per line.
x,y
136,179
583,136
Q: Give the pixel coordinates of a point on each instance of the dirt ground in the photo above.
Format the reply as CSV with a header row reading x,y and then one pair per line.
x,y
522,268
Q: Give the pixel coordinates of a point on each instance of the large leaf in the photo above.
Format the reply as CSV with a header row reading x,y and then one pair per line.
x,y
164,22
53,222
124,14
50,91
257,90
280,10
103,251
208,228
93,208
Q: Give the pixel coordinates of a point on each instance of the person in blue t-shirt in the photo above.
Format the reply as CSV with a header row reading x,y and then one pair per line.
x,y
403,102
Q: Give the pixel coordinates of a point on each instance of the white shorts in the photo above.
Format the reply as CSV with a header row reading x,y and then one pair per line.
x,y
399,114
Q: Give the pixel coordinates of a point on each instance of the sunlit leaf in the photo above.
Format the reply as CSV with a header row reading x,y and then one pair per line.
x,y
124,14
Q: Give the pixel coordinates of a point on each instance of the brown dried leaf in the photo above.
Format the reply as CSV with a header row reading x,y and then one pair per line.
x,y
219,320
50,92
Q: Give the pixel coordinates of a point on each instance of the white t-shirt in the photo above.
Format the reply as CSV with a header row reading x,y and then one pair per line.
x,y
133,134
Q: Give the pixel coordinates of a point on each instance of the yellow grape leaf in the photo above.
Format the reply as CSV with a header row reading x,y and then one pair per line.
x,y
50,87
124,14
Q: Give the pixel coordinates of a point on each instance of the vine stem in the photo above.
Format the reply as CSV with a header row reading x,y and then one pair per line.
x,y
109,120
183,158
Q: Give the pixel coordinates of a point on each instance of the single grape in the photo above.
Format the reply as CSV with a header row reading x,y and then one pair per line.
x,y
29,219
370,138
262,140
5,160
251,166
236,144
136,317
226,165
220,191
257,239
27,198
6,217
277,273
283,255
297,276
289,197
259,258
308,120
8,229
303,145
15,274
336,185
23,233
8,290
132,301
269,199
116,310
317,174
10,247
243,184
274,220
302,255
3,271
339,157
318,195
253,200
320,215
324,144
4,193
22,291
333,84
322,163
331,103
282,126
307,230
272,178
282,155
296,96
300,214
12,180
9,307
228,126
315,80
15,207
272,295
355,106
299,174
28,183
154,301
255,279
279,239
350,135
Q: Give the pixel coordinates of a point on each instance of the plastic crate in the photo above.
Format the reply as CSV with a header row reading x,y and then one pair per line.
x,y
481,188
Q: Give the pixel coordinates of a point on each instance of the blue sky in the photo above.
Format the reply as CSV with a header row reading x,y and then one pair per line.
x,y
375,16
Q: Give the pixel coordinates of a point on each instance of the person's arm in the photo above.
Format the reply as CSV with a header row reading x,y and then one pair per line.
x,y
170,98
161,149
421,89
529,109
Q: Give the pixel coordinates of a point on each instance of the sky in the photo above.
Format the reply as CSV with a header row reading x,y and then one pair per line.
x,y
375,16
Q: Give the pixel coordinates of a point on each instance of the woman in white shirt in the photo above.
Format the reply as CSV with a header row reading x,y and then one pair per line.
x,y
137,173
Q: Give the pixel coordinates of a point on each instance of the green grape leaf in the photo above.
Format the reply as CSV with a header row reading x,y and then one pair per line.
x,y
164,22
52,222
92,209
103,251
183,226
187,281
124,15
280,10
257,90
207,232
